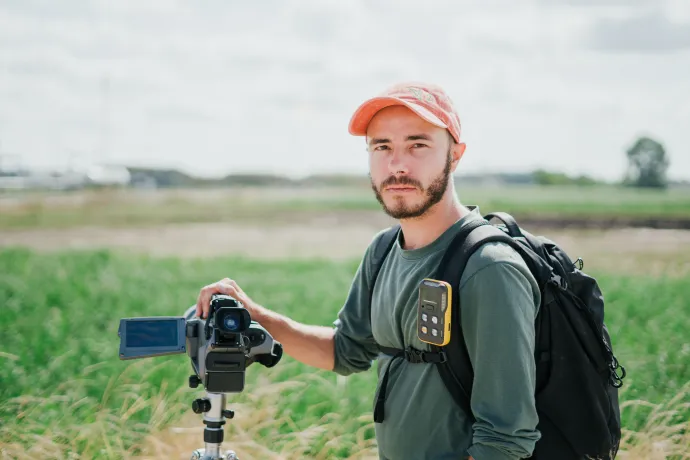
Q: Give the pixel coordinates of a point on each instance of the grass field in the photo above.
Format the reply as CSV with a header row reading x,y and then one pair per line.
x,y
275,205
65,394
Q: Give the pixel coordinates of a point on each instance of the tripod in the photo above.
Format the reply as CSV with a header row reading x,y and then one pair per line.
x,y
213,408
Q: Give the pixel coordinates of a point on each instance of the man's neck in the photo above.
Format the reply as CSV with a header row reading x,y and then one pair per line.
x,y
423,230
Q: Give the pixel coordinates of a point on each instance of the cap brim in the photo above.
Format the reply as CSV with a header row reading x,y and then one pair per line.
x,y
362,117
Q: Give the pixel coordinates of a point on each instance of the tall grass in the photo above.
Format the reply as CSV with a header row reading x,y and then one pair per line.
x,y
65,394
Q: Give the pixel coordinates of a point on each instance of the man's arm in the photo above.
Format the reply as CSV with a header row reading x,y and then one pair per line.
x,y
354,344
499,305
311,345
346,348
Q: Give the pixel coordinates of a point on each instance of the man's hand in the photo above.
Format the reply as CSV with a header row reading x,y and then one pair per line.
x,y
229,287
312,345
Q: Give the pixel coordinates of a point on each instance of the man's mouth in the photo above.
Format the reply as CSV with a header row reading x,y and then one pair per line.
x,y
401,188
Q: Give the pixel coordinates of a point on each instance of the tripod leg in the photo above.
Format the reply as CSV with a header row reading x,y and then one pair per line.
x,y
199,454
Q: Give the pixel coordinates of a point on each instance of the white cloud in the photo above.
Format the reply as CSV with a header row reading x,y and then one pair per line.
x,y
648,32
218,86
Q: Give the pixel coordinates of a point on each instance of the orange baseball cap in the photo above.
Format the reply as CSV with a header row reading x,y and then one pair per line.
x,y
429,101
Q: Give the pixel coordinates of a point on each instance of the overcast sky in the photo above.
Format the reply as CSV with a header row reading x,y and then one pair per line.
x,y
219,86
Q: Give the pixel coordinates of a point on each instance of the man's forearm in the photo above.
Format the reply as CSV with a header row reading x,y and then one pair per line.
x,y
311,345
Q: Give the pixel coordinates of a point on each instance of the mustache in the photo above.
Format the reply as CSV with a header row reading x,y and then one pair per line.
x,y
392,180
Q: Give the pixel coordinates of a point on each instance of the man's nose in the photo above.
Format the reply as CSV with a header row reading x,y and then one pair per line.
x,y
397,163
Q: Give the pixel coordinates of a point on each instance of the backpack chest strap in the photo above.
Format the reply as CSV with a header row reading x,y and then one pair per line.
x,y
411,355
414,356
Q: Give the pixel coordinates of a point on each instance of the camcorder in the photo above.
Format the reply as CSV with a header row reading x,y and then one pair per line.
x,y
220,348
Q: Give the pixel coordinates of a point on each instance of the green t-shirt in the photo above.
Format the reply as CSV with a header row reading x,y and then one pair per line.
x,y
500,299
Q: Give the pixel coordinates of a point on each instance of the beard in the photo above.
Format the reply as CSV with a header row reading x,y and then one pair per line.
x,y
432,194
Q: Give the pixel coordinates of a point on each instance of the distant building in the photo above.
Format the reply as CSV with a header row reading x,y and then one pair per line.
x,y
73,177
108,175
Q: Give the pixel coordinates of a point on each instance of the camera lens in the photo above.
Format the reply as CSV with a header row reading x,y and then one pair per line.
x,y
231,323
232,320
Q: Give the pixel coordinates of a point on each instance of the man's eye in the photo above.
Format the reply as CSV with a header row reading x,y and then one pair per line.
x,y
418,146
381,147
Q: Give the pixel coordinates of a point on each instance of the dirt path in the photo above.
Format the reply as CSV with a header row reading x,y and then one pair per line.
x,y
204,240
631,250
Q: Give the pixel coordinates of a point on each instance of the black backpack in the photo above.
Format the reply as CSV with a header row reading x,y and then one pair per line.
x,y
577,374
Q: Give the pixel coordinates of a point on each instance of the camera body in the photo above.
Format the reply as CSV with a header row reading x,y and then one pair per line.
x,y
220,348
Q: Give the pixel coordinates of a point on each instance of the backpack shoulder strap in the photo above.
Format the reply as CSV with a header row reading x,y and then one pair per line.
x,y
463,245
508,220
456,371
380,249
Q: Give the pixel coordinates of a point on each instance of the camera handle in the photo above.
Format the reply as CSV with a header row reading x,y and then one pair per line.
x,y
213,408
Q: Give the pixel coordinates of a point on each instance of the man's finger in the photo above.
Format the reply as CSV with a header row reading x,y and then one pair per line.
x,y
209,291
232,283
237,287
218,288
204,299
225,289
199,301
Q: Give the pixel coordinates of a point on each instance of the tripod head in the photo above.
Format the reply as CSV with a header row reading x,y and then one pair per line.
x,y
213,408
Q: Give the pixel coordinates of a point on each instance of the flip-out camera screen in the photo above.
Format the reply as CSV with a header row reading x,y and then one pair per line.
x,y
155,336
151,333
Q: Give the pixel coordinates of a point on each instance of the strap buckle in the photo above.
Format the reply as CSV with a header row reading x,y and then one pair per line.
x,y
415,356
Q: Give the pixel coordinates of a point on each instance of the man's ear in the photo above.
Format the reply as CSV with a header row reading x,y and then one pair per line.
x,y
457,151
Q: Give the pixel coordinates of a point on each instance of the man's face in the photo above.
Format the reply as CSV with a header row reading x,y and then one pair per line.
x,y
410,162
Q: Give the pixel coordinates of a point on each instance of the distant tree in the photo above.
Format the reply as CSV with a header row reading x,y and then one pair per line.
x,y
647,164
542,177
585,180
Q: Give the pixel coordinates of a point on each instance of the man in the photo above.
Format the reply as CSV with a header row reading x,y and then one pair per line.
x,y
412,133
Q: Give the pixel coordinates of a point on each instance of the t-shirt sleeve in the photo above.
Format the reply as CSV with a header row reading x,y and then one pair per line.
x,y
500,300
355,347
